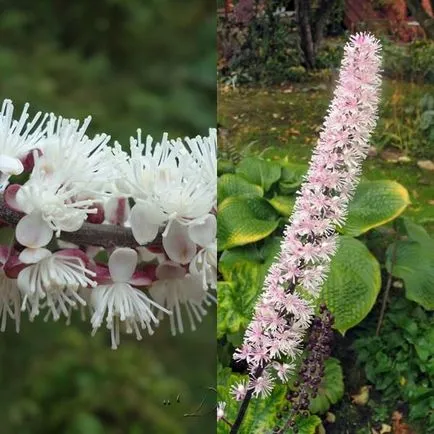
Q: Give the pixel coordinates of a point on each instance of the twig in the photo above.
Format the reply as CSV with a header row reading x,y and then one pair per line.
x,y
89,234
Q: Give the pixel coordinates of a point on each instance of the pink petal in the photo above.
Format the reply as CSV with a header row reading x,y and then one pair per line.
x,y
13,267
28,160
10,197
144,277
170,270
98,217
117,210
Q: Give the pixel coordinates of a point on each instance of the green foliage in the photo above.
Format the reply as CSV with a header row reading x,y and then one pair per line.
x,y
353,283
400,362
259,172
374,204
412,260
243,220
331,388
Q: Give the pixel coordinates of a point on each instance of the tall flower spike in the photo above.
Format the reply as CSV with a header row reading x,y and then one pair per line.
x,y
282,315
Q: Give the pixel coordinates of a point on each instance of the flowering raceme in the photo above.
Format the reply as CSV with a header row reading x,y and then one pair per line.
x,y
151,212
285,309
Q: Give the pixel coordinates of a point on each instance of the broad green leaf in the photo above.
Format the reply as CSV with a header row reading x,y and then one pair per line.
x,y
258,253
282,204
244,220
259,172
331,389
261,413
414,264
237,295
353,283
292,177
233,185
243,270
374,204
225,166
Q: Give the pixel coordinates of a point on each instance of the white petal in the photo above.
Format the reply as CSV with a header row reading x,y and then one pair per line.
x,y
23,281
31,256
122,264
178,245
10,165
143,231
204,232
152,211
33,231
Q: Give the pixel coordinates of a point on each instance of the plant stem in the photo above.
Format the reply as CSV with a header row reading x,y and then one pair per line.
x,y
89,234
242,412
388,284
244,405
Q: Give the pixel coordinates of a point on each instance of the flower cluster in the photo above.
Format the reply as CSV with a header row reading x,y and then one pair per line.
x,y
57,181
285,309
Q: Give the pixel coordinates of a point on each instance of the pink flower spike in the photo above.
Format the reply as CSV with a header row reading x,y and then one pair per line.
x,y
144,277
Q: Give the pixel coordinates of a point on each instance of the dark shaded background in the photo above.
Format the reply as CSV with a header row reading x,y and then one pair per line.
x,y
129,64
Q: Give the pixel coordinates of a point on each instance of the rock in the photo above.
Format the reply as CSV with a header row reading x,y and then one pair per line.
x,y
372,152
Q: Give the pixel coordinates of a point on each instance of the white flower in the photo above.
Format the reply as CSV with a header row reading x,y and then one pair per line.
x,y
49,208
204,264
53,280
168,182
120,302
175,289
17,138
221,410
72,157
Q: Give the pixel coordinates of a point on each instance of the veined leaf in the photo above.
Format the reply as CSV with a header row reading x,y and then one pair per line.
x,y
374,204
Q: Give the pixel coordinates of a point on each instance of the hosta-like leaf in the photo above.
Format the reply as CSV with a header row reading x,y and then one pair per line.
x,y
283,204
259,172
353,283
243,220
236,297
331,388
243,270
261,414
292,177
233,185
413,261
374,204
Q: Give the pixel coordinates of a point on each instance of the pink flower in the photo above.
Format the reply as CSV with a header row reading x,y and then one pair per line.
x,y
281,315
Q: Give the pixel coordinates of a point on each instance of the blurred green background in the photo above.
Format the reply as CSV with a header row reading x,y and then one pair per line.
x,y
129,64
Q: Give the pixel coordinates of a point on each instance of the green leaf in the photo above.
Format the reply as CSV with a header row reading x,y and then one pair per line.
x,y
292,177
244,220
225,166
353,283
259,172
331,389
233,185
243,270
413,262
282,204
237,295
374,204
308,425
